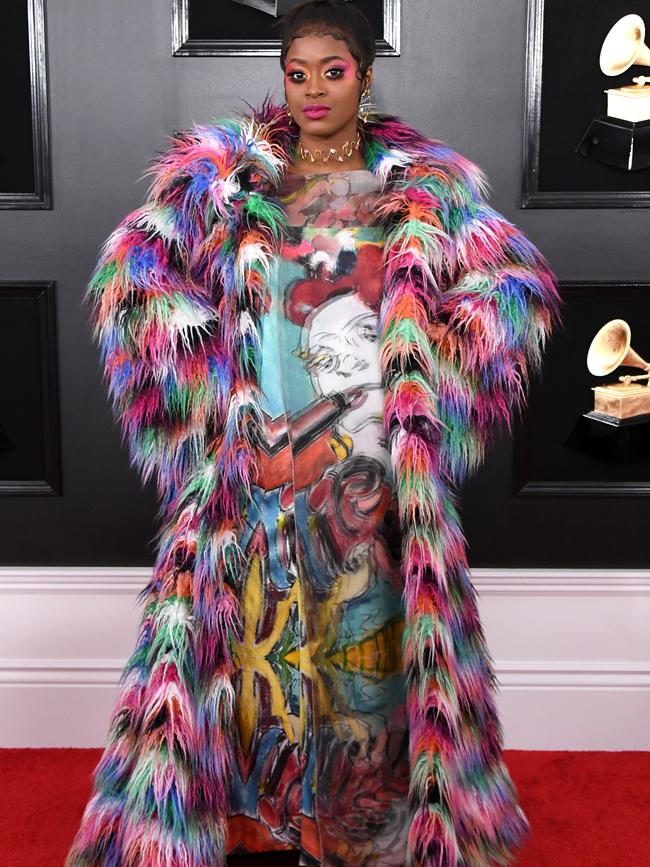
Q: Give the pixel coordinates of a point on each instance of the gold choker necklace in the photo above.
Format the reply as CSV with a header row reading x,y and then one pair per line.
x,y
334,153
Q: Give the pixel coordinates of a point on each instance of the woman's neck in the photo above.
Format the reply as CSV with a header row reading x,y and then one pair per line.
x,y
307,166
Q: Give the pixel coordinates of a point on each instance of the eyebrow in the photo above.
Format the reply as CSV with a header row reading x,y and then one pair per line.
x,y
324,60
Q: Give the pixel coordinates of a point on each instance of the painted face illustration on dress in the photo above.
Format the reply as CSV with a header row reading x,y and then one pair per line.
x,y
339,341
339,338
338,315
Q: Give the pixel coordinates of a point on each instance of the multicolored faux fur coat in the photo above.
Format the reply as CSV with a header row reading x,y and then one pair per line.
x,y
177,293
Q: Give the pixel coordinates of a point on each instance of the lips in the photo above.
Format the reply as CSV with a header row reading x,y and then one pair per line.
x,y
315,110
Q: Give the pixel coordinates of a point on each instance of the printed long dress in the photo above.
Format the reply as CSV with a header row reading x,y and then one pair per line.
x,y
321,738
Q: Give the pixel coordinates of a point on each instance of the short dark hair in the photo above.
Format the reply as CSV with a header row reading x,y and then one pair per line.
x,y
339,18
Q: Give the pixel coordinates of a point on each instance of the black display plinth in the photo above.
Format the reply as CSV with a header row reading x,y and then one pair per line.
x,y
615,441
621,143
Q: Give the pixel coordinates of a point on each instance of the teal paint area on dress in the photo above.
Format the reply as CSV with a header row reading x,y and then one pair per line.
x,y
322,738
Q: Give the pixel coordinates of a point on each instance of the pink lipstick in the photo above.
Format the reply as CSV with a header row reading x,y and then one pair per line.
x,y
315,111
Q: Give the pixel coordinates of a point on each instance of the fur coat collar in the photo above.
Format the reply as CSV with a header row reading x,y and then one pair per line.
x,y
176,296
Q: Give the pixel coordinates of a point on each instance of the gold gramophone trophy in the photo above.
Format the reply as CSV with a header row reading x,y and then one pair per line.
x,y
625,401
621,138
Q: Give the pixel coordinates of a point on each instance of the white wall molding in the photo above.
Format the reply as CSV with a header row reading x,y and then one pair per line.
x,y
571,652
569,674
60,672
561,582
120,579
511,675
73,579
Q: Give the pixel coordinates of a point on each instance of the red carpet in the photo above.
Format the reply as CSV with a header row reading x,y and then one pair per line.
x,y
587,809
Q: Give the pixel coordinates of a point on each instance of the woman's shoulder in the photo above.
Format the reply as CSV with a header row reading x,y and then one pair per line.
x,y
427,159
220,158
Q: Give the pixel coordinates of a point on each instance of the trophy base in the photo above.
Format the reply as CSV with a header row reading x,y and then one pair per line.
x,y
615,421
621,143
622,401
613,441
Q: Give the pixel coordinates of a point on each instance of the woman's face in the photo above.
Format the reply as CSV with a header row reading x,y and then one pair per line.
x,y
319,70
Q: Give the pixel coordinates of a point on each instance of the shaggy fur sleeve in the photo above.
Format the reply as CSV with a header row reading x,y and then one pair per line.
x,y
469,305
155,295
496,311
497,307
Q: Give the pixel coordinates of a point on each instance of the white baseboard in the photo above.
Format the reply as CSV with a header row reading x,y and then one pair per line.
x,y
562,582
571,650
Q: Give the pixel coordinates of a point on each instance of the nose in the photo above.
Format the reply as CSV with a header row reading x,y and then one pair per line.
x,y
314,89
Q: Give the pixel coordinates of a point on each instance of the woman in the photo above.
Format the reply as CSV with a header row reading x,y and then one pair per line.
x,y
310,330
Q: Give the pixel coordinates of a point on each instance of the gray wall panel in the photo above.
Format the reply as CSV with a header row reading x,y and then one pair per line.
x,y
116,93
